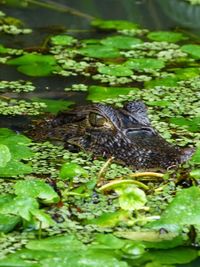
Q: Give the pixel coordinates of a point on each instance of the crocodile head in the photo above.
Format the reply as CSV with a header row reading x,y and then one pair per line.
x,y
125,134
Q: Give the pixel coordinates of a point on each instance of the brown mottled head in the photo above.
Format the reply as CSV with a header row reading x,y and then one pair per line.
x,y
125,133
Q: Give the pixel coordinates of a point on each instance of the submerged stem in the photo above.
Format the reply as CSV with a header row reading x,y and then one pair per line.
x,y
61,8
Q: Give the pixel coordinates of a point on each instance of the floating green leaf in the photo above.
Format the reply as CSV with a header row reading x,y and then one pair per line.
x,y
28,209
18,148
5,155
187,73
145,64
99,93
183,210
8,223
63,40
121,42
192,49
172,256
57,243
131,197
36,189
99,51
166,36
40,219
196,156
17,144
71,170
37,69
160,103
54,106
193,124
108,241
110,219
28,59
15,168
115,70
34,64
20,206
167,81
113,24
195,173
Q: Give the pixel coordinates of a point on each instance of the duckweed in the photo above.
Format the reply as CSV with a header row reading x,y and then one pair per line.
x,y
20,107
17,86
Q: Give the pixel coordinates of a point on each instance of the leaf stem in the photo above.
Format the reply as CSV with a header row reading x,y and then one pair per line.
x,y
40,230
103,170
142,174
114,183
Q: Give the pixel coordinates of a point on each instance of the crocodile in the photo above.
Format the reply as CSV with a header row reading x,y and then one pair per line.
x,y
125,134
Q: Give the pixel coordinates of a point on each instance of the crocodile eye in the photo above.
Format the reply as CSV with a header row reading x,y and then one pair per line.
x,y
96,120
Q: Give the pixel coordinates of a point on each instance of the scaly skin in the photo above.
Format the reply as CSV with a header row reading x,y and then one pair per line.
x,y
126,134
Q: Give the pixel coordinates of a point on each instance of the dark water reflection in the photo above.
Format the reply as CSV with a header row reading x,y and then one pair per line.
x,y
152,14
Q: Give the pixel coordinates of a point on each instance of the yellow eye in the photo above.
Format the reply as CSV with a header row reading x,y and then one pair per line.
x,y
96,120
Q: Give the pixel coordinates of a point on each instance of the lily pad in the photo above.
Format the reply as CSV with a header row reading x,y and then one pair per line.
x,y
71,170
145,64
57,243
99,93
196,156
109,241
160,103
131,197
192,49
183,210
54,106
34,64
63,40
187,73
5,155
195,173
113,24
37,69
166,36
110,219
21,206
121,42
15,168
17,144
167,81
193,124
8,222
168,258
18,149
99,51
31,59
36,189
115,70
